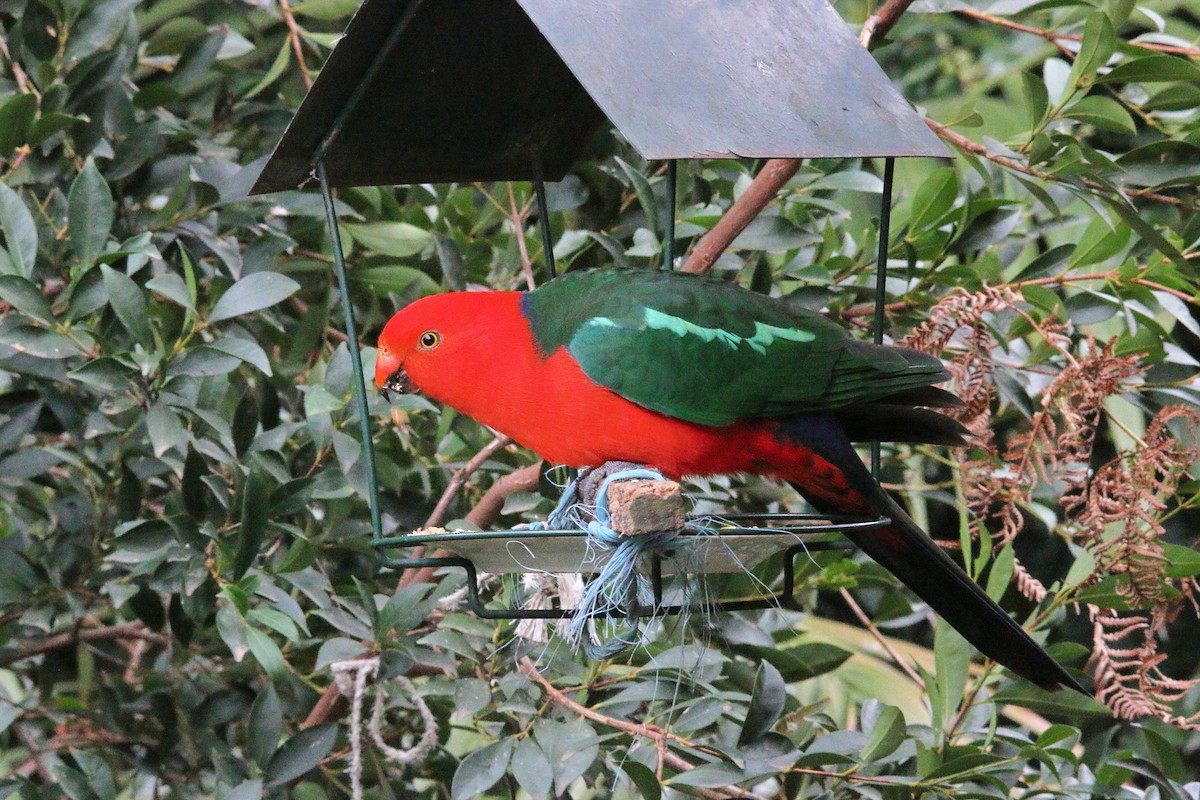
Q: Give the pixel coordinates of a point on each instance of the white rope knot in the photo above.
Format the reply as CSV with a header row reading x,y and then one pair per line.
x,y
351,678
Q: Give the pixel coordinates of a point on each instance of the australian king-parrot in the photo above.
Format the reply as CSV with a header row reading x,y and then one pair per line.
x,y
697,376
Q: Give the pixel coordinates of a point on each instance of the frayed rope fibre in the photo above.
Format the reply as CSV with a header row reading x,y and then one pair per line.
x,y
619,584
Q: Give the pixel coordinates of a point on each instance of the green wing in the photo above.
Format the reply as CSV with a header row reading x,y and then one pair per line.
x,y
710,352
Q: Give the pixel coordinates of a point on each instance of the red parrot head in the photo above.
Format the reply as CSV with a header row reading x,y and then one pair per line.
x,y
430,344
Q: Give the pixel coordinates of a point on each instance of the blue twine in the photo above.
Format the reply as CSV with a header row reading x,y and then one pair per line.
x,y
619,584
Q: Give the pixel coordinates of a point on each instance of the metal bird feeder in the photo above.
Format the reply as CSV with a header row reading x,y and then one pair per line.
x,y
470,90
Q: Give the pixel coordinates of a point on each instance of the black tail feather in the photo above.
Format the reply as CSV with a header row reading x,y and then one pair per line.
x,y
908,553
878,422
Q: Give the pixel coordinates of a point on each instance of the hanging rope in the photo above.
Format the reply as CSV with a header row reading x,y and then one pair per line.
x,y
351,678
619,585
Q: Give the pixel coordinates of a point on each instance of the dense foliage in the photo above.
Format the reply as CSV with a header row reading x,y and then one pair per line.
x,y
184,537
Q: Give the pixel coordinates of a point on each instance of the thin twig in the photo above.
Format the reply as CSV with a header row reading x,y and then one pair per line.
x,y
24,86
1055,37
905,667
654,733
294,34
438,515
517,217
962,142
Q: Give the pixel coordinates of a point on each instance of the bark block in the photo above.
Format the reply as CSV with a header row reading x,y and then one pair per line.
x,y
645,506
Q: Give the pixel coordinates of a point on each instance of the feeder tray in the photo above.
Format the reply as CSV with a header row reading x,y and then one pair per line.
x,y
424,92
727,549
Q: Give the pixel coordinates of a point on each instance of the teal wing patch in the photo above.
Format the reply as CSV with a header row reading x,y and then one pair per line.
x,y
710,352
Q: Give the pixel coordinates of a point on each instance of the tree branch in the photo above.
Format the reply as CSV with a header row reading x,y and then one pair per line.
x,y
125,630
882,21
762,190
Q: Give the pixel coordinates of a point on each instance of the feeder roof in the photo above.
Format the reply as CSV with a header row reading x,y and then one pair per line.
x,y
450,90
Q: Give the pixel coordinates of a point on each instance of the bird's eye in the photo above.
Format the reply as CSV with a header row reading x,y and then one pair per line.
x,y
429,340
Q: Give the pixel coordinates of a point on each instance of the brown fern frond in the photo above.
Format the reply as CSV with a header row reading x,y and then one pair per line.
x,y
1115,512
1127,675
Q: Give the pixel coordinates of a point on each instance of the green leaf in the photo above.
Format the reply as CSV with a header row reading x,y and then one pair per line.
x,y
1099,42
1104,113
172,287
571,748
480,770
325,9
1099,242
804,661
1003,567
1152,69
39,342
767,701
245,350
450,257
165,430
20,234
98,29
1025,694
1039,99
128,302
73,783
283,57
254,292
391,278
90,213
192,489
531,768
395,239
99,777
300,754
253,528
1133,219
266,652
15,118
773,233
644,779
21,294
645,195
232,628
934,199
986,229
887,735
1182,562
718,773
203,362
952,659
47,125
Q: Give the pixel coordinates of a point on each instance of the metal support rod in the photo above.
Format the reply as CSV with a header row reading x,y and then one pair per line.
x,y
885,218
360,383
669,227
539,187
364,83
